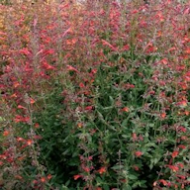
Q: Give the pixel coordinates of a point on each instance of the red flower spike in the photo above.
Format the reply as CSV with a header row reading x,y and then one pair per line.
x,y
66,32
187,51
18,177
183,138
134,137
29,142
71,68
125,48
49,176
34,181
6,133
16,84
163,115
71,41
26,119
136,168
155,184
172,49
24,51
175,154
181,129
77,177
47,66
125,109
37,137
49,52
14,95
20,139
18,119
105,43
86,169
181,177
150,48
181,146
180,165
183,103
94,71
129,86
20,107
186,11
43,179
164,182
164,61
36,125
80,125
82,85
173,168
138,154
32,101
102,170
89,108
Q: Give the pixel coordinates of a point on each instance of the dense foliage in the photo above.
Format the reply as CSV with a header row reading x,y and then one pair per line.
x,y
95,95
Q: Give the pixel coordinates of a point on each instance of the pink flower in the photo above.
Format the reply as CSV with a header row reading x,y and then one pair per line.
x,y
105,43
102,170
25,51
77,176
125,109
47,66
71,68
138,153
175,153
88,108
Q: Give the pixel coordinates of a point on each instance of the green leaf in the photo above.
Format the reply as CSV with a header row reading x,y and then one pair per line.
x,y
2,119
132,177
106,187
117,167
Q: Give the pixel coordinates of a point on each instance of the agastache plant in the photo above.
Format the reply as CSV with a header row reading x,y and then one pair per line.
x,y
94,95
